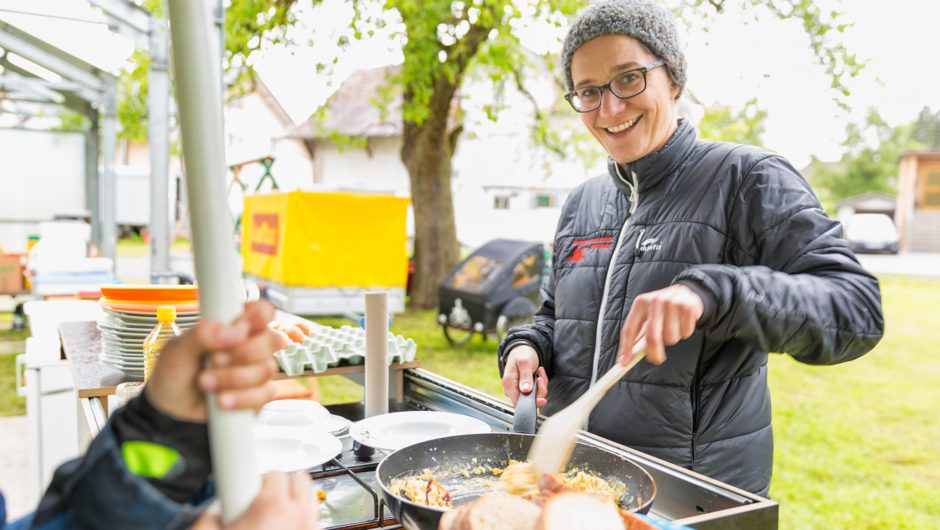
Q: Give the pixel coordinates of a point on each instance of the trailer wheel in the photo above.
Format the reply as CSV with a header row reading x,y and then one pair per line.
x,y
457,336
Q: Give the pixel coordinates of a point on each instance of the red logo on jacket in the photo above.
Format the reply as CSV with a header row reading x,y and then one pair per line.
x,y
583,245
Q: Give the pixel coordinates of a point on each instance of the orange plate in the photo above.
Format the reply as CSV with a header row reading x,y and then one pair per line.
x,y
145,307
151,293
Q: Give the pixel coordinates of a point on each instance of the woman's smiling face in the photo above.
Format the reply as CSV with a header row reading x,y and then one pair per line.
x,y
628,129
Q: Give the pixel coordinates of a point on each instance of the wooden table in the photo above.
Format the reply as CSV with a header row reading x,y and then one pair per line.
x,y
81,345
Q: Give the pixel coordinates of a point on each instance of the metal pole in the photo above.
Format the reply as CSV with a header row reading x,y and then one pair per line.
x,y
376,362
159,132
195,54
219,14
107,202
92,177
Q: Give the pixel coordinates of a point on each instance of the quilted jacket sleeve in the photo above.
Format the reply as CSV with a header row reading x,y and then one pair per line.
x,y
799,290
102,489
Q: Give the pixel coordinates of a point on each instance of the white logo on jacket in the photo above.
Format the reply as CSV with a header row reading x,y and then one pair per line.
x,y
650,244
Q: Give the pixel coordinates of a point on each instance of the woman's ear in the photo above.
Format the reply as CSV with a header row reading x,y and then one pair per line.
x,y
674,90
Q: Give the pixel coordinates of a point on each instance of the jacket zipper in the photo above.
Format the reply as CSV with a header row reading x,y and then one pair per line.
x,y
634,199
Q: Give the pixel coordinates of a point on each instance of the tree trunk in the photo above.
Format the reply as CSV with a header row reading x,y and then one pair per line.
x,y
427,152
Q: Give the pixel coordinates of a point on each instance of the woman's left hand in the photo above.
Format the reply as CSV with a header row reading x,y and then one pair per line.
x,y
664,318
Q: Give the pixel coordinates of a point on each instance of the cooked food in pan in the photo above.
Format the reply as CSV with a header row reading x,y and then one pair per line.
x,y
517,478
424,490
520,478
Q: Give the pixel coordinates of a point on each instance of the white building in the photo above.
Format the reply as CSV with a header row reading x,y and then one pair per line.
x,y
501,188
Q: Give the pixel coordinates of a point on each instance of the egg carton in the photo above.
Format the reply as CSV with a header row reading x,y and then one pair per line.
x,y
326,347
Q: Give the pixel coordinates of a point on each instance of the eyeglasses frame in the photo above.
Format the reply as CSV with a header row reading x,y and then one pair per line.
x,y
643,69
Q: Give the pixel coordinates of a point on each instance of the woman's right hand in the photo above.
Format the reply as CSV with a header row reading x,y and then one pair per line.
x,y
521,363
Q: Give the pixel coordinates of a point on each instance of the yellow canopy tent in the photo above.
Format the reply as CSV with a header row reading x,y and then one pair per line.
x,y
319,239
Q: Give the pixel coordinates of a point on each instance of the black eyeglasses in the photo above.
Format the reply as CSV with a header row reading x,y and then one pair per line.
x,y
624,86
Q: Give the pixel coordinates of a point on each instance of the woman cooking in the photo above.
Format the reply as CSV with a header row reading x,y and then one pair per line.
x,y
715,253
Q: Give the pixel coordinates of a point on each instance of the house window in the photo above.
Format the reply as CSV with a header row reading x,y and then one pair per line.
x,y
544,200
932,188
501,202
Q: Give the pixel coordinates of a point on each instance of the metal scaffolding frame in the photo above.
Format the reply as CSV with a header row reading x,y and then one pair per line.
x,y
89,90
85,89
149,32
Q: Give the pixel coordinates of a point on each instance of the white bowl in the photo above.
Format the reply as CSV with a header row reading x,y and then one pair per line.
x,y
292,413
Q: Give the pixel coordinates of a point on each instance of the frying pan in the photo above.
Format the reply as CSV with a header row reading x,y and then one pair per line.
x,y
444,455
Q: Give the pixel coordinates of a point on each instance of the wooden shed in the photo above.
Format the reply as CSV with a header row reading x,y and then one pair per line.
x,y
918,208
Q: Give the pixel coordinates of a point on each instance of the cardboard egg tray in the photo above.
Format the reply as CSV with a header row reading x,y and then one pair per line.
x,y
327,347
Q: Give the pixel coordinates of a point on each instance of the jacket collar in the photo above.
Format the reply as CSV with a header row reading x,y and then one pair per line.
x,y
654,167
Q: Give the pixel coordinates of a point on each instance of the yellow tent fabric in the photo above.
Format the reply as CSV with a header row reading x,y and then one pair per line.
x,y
318,239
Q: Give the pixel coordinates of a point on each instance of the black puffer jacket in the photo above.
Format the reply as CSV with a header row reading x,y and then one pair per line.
x,y
741,227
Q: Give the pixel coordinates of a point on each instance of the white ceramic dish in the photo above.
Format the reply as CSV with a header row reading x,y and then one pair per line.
x,y
150,312
139,317
391,432
120,361
291,413
123,343
112,324
125,335
120,327
136,373
122,350
292,449
333,424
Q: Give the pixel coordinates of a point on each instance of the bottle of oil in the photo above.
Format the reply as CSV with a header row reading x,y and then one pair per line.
x,y
166,329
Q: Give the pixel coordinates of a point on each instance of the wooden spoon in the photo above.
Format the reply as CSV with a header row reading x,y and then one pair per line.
x,y
555,439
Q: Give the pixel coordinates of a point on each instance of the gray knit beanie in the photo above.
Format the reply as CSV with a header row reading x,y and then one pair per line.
x,y
644,20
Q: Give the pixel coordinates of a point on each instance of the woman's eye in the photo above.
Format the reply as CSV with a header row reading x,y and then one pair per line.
x,y
630,77
590,93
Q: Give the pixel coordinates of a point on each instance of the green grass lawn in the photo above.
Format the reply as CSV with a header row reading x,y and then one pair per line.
x,y
857,445
10,403
11,345
139,248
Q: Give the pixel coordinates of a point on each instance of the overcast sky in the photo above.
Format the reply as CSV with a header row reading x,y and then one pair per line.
x,y
732,63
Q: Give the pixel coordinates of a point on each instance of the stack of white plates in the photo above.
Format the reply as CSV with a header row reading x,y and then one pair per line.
x,y
123,334
300,413
126,324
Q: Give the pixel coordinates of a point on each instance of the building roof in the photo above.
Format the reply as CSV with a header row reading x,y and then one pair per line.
x,y
925,153
867,197
272,102
352,109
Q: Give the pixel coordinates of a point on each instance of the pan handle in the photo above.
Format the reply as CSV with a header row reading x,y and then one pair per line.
x,y
523,421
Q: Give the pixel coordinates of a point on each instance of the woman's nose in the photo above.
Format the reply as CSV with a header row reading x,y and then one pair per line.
x,y
611,105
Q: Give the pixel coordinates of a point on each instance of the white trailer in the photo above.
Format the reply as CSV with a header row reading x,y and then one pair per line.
x,y
42,174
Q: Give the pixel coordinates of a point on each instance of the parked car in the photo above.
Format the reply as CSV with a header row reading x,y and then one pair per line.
x,y
871,232
492,290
